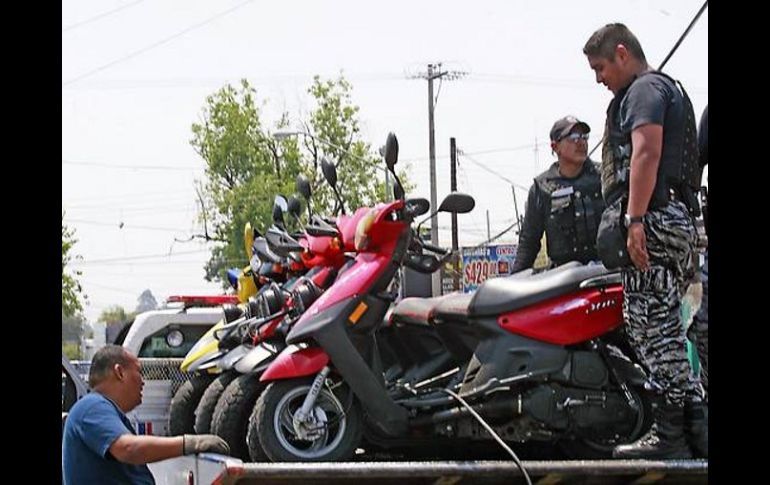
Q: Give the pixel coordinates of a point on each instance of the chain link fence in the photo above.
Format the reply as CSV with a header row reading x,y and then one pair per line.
x,y
152,370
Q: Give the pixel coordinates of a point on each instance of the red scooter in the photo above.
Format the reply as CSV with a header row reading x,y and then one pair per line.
x,y
533,356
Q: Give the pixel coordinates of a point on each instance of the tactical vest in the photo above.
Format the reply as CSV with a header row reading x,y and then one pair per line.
x,y
680,176
573,211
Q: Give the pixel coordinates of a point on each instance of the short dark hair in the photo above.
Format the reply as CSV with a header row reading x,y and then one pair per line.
x,y
602,43
103,361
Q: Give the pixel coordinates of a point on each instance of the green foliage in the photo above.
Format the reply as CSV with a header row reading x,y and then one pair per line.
x,y
113,315
71,350
72,327
246,166
71,291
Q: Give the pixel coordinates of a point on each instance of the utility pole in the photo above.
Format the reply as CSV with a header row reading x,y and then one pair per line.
x,y
453,187
435,72
489,233
516,209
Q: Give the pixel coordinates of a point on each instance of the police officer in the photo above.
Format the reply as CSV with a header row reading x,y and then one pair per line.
x,y
648,150
565,201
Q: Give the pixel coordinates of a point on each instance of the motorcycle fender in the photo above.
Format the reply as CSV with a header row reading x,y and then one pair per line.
x,y
233,356
202,351
255,357
206,361
296,362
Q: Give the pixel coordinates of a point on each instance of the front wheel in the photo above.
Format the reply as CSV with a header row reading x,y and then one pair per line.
x,y
205,410
332,432
181,412
231,414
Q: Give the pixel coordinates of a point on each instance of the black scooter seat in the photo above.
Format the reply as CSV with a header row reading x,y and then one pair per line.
x,y
502,295
453,307
415,310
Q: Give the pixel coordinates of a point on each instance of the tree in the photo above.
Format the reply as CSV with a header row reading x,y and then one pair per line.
x,y
71,291
246,166
113,315
146,302
72,327
72,330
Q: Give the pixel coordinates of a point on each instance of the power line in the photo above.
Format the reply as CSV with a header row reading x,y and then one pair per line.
x,y
165,263
480,152
132,167
109,288
122,225
99,16
135,258
197,82
498,174
153,45
143,195
133,210
530,80
137,206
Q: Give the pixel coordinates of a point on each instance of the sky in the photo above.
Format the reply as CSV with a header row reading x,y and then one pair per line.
x,y
135,76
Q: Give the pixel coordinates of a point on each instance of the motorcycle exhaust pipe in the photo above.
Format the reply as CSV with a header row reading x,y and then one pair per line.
x,y
504,408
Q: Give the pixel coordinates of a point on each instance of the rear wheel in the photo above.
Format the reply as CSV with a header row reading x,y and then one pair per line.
x,y
231,415
332,435
182,410
585,447
205,410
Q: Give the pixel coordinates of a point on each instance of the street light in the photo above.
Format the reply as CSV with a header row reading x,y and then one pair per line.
x,y
283,134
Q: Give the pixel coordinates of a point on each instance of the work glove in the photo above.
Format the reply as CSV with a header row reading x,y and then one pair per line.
x,y
201,443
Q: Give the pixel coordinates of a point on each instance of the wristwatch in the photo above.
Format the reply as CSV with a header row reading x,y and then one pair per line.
x,y
628,220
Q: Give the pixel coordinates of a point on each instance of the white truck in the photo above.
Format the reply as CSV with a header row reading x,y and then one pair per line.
x,y
161,338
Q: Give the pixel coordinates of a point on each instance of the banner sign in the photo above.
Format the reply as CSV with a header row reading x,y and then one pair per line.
x,y
486,262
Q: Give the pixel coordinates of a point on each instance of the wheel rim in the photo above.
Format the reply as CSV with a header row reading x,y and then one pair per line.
x,y
328,412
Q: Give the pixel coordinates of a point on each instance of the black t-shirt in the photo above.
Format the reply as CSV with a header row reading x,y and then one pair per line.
x,y
654,99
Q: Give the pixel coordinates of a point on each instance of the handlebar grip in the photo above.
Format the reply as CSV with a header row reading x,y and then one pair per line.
x,y
435,249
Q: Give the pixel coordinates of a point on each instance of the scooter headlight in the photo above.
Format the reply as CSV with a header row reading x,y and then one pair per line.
x,y
362,230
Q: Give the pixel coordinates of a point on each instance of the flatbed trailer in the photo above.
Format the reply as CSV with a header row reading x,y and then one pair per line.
x,y
220,470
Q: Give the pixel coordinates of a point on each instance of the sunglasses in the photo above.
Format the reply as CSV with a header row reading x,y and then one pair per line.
x,y
575,137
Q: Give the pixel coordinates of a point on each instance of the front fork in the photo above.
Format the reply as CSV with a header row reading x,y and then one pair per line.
x,y
304,420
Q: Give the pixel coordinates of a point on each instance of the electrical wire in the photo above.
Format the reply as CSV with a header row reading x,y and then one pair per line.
x,y
153,45
492,432
99,16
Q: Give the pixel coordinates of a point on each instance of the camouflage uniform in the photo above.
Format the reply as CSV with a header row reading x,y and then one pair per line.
x,y
651,304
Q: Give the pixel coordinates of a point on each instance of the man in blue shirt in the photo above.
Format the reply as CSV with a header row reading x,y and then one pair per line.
x,y
100,445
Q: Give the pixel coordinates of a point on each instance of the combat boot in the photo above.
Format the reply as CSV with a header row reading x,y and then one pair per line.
x,y
696,427
664,440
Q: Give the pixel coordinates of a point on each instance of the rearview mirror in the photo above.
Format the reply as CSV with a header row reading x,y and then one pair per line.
x,y
281,202
458,203
303,186
417,206
295,207
391,151
329,171
279,207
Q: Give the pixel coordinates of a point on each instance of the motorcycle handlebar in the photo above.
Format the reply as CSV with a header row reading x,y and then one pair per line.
x,y
435,249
